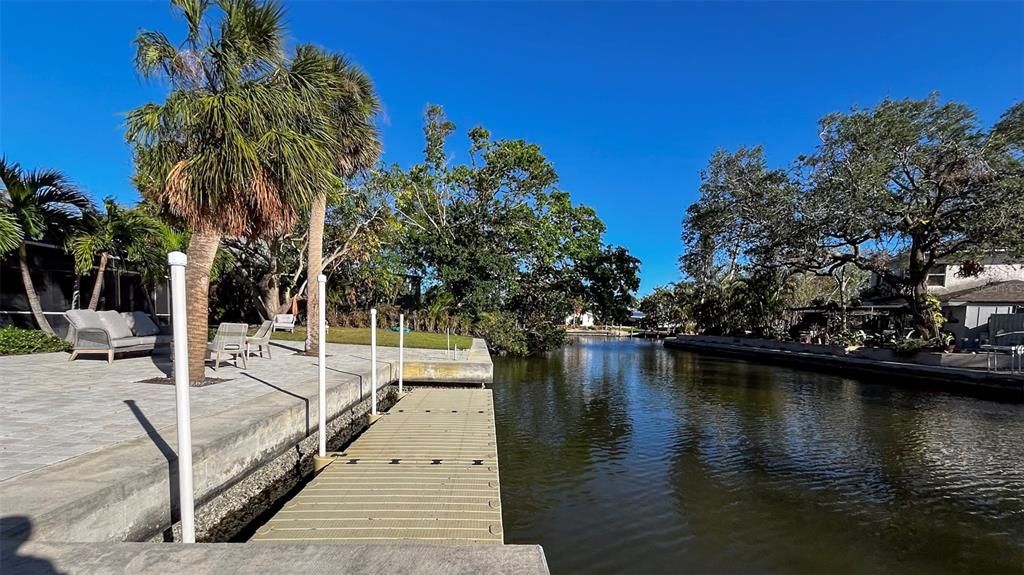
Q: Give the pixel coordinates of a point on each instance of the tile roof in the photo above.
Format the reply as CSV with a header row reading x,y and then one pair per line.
x,y
1011,291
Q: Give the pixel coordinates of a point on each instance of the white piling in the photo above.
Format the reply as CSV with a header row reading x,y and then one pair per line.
x,y
401,351
321,326
373,361
186,502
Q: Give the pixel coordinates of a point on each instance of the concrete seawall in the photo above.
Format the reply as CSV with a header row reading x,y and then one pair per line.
x,y
946,372
472,366
244,456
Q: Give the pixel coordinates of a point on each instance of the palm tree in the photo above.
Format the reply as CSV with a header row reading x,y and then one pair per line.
x,y
233,150
128,234
349,110
36,204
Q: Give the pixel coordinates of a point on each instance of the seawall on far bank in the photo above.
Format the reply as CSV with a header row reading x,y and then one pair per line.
x,y
950,370
253,437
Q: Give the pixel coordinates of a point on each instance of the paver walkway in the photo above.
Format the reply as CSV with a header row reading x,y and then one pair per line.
x,y
52,410
426,471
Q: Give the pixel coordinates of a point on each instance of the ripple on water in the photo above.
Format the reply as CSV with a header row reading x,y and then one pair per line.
x,y
620,456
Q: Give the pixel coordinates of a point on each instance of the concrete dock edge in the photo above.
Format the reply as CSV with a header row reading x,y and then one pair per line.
x,y
38,558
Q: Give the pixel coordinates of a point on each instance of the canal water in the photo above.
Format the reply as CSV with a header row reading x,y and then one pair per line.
x,y
619,456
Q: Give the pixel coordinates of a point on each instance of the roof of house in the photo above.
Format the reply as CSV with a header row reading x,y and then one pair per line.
x,y
994,257
1011,291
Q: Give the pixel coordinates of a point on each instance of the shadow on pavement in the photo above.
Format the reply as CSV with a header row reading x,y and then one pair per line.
x,y
14,532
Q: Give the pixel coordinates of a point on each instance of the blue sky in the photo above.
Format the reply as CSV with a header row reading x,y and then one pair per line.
x,y
627,99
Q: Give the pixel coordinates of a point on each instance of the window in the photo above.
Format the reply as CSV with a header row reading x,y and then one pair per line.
x,y
937,276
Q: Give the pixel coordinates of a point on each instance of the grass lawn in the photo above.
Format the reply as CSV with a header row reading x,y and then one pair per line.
x,y
385,337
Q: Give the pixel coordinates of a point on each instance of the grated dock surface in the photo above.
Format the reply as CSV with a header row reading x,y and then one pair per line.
x,y
427,470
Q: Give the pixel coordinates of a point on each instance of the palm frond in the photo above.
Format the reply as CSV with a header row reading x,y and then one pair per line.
x,y
10,174
83,249
11,234
39,202
193,10
57,192
133,234
155,54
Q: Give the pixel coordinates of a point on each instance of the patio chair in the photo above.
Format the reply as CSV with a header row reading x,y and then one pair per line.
x,y
260,340
284,322
230,341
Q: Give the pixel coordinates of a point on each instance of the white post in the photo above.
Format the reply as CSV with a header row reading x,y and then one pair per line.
x,y
321,326
401,350
373,361
186,503
448,343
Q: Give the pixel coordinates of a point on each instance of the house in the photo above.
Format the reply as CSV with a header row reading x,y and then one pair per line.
x,y
969,311
947,277
970,300
978,306
60,288
583,319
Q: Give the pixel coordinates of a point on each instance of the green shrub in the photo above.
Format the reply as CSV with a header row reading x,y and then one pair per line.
x,y
851,338
16,341
502,335
912,345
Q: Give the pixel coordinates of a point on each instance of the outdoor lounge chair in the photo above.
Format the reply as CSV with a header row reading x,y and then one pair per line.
x,y
110,332
260,340
284,322
229,341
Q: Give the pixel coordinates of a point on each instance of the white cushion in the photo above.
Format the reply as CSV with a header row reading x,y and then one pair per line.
x,y
114,324
140,323
84,318
153,340
130,342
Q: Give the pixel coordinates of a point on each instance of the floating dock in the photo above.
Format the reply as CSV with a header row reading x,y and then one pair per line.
x,y
426,471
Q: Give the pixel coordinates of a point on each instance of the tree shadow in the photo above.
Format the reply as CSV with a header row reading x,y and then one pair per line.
x,y
14,532
162,361
305,400
172,464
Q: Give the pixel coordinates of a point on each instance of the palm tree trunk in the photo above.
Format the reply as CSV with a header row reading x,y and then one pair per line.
x,y
76,293
98,286
270,285
30,292
314,267
202,249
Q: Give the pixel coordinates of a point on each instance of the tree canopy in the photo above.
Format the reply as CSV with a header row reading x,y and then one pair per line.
x,y
891,190
501,238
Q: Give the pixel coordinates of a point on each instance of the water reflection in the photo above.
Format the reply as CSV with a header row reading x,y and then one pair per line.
x,y
621,456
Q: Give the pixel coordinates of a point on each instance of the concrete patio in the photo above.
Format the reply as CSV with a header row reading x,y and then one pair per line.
x,y
82,439
52,409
